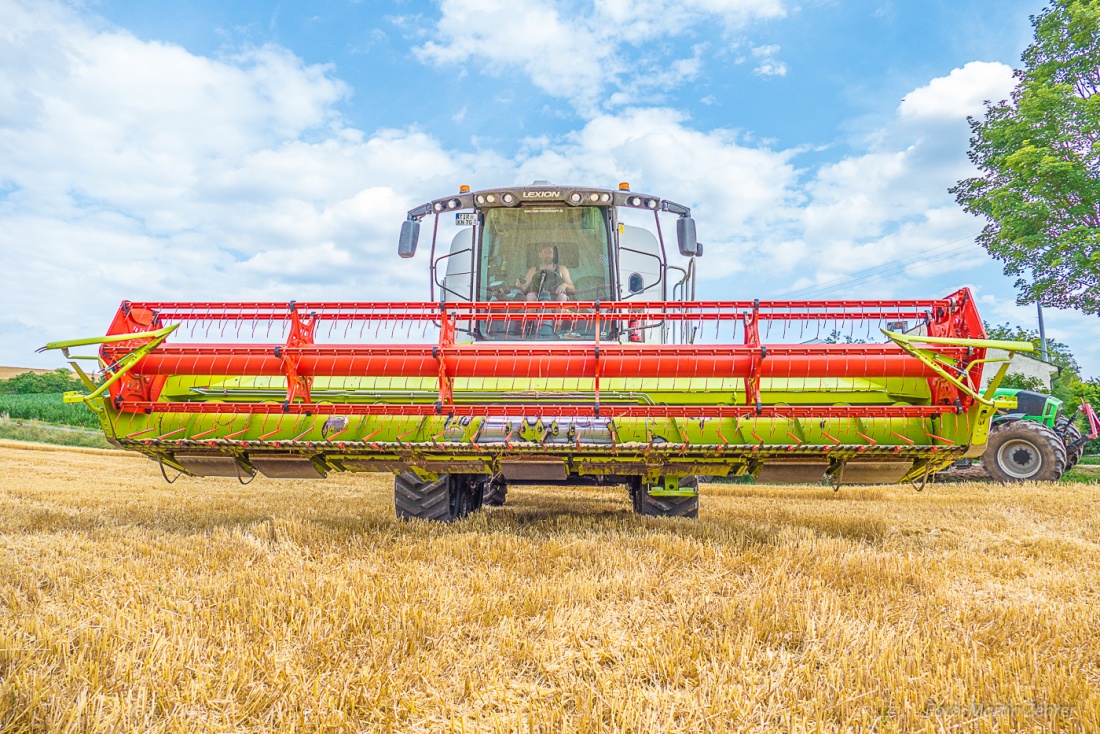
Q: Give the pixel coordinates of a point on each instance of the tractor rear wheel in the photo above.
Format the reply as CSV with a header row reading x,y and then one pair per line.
x,y
650,506
1073,440
449,498
1023,451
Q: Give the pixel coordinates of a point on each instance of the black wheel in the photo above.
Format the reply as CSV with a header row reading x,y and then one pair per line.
x,y
1022,451
451,497
494,492
1073,440
646,504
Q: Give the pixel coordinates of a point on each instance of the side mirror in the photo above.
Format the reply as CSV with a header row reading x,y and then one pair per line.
x,y
685,237
698,249
410,234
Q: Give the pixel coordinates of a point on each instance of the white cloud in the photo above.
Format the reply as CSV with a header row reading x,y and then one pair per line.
x,y
961,93
742,193
324,262
149,172
131,169
891,201
771,67
767,64
136,169
563,57
576,50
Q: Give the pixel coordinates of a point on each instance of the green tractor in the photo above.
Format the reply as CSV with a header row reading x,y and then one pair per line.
x,y
1037,440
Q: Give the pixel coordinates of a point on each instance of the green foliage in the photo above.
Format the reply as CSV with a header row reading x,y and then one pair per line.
x,y
29,383
1039,156
48,409
837,338
1057,352
37,397
1078,476
1066,385
1023,382
1090,391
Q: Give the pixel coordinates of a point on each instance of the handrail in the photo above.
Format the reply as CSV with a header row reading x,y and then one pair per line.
x,y
442,287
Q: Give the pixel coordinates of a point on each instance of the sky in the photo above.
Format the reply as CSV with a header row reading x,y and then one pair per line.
x,y
161,150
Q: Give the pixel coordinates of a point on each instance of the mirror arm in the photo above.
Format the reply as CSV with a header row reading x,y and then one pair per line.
x,y
420,212
674,208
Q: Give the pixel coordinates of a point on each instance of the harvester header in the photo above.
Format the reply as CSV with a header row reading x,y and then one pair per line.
x,y
565,348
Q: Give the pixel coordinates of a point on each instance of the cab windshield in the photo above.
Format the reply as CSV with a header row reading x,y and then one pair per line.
x,y
513,244
547,252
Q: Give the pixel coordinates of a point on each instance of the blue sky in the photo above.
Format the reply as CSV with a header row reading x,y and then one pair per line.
x,y
243,150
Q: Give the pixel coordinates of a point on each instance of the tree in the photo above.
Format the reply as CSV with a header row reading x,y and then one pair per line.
x,y
1039,156
1065,384
837,338
1023,382
58,381
1057,352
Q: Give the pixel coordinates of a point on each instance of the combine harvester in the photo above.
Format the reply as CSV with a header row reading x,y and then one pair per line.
x,y
560,345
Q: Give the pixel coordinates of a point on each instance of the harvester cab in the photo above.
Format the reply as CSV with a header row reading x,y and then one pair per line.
x,y
543,243
561,345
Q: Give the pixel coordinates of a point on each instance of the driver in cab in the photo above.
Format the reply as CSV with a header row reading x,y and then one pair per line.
x,y
547,281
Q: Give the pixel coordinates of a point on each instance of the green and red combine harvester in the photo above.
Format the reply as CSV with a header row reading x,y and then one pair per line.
x,y
561,345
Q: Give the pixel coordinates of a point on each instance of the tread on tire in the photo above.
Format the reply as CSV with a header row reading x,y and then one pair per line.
x,y
449,498
1073,440
1024,451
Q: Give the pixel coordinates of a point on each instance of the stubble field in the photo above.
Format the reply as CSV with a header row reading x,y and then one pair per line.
x,y
130,605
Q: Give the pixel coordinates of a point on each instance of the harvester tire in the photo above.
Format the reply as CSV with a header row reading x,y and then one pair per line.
x,y
495,493
650,506
1073,440
1024,451
449,498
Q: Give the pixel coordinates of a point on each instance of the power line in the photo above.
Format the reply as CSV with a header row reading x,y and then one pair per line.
x,y
900,268
845,280
887,268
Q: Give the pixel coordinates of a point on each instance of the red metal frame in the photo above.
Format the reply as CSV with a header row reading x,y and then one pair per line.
x,y
301,358
298,381
1093,420
721,311
608,410
448,361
